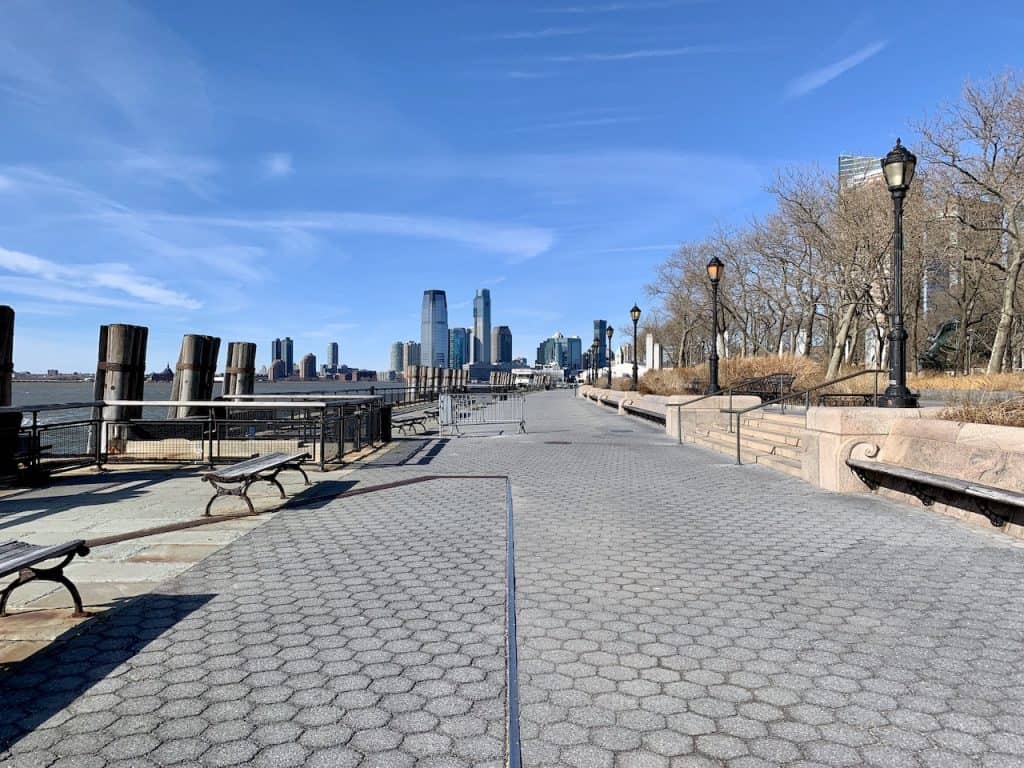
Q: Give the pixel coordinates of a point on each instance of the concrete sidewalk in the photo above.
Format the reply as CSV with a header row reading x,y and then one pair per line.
x,y
674,610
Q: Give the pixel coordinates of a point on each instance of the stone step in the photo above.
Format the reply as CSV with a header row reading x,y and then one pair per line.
x,y
753,441
791,467
779,433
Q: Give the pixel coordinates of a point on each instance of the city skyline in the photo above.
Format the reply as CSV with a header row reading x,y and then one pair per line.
x,y
152,175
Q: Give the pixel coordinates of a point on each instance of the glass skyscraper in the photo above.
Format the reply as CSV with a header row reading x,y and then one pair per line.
x,y
501,344
482,327
434,329
458,346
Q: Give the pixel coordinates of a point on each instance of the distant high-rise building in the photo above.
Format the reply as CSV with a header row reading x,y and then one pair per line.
x,y
332,357
600,329
284,350
434,329
410,354
397,358
277,371
856,169
575,346
289,354
482,327
307,367
458,346
565,352
501,345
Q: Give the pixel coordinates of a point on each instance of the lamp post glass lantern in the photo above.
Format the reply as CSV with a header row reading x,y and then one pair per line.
x,y
715,270
609,332
898,167
634,314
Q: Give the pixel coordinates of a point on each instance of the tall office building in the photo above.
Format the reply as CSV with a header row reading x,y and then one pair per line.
x,y
482,327
284,350
501,345
410,354
332,357
856,169
434,329
600,328
397,358
565,352
289,356
458,346
307,367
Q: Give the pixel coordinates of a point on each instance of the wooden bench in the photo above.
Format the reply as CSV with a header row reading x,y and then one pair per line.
x,y
410,421
930,487
236,479
23,558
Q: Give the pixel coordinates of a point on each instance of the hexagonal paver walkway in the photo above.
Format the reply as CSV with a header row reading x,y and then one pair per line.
x,y
674,610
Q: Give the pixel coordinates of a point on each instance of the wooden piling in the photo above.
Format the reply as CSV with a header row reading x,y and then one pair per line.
x,y
121,368
194,373
6,353
240,369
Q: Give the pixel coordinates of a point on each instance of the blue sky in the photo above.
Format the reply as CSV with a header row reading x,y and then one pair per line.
x,y
254,169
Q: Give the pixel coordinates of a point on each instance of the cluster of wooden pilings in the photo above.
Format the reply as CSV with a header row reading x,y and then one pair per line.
x,y
425,380
501,379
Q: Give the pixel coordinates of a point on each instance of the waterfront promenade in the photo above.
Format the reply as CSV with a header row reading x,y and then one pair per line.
x,y
673,610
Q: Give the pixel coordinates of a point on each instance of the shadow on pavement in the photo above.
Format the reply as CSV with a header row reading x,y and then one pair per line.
x,y
409,451
70,492
319,494
44,684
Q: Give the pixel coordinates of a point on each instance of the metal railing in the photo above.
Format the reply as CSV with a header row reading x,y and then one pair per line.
x,y
457,411
723,392
803,394
84,434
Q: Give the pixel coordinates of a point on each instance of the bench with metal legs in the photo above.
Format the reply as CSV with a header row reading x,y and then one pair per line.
x,y
236,479
23,558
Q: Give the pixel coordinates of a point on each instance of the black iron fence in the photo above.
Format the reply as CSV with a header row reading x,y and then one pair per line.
x,y
39,440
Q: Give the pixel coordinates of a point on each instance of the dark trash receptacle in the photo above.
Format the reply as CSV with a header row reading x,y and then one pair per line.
x,y
10,423
385,423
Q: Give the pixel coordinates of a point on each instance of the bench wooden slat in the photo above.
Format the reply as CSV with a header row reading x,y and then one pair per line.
x,y
13,560
255,465
969,488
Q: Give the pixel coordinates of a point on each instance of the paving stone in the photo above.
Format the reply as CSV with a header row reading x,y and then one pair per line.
x,y
674,610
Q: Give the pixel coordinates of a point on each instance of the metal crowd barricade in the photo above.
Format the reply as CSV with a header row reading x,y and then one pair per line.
x,y
459,411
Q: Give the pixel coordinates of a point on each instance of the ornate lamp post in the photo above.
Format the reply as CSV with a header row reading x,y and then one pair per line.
x,y
609,333
898,167
593,361
634,313
715,269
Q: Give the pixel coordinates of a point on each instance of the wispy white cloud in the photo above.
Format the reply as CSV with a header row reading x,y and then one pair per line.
x,y
43,278
615,7
540,34
584,122
641,53
194,172
519,74
517,243
812,81
278,165
494,280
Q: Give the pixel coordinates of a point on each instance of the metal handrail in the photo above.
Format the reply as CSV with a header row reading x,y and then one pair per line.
x,y
806,394
721,392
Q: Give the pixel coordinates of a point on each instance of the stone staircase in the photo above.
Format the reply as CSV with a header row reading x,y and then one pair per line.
x,y
769,438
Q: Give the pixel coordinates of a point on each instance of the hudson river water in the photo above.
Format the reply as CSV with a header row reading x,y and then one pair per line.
x,y
28,393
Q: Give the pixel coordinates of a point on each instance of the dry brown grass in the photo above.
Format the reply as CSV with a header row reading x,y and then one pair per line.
x,y
998,382
1006,413
677,381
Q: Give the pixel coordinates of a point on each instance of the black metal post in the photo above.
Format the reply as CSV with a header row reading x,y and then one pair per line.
x,y
609,359
897,395
634,355
713,357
